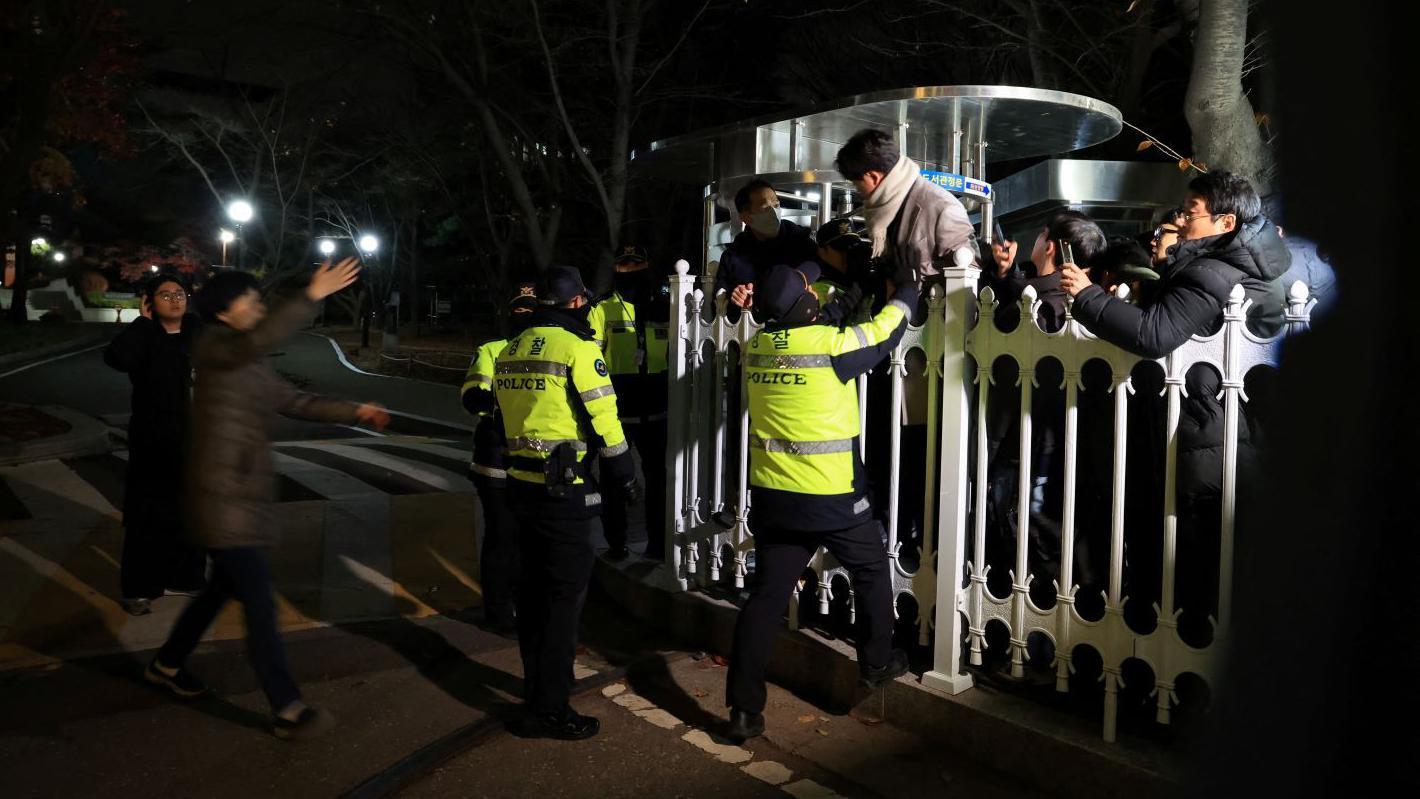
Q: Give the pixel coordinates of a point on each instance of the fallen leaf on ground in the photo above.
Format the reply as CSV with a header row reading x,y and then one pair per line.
x,y
822,731
719,661
699,694
806,719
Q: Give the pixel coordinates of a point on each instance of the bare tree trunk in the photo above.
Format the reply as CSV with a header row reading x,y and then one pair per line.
x,y
1225,132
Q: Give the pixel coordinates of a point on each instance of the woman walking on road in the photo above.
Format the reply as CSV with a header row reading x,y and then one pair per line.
x,y
153,350
231,479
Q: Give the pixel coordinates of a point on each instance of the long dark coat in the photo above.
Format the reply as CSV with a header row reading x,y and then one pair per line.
x,y
158,364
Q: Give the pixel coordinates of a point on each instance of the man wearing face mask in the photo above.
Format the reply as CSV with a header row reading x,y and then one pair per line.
x,y
911,220
766,241
499,551
807,478
630,325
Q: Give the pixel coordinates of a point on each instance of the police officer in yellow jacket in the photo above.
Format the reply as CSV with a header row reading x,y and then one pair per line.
x,y
631,324
558,406
806,477
499,550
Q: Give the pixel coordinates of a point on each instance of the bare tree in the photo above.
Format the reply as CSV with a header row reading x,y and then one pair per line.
x,y
1225,129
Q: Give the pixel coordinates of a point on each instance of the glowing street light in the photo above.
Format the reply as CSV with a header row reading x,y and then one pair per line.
x,y
240,211
152,267
369,244
58,257
226,237
327,246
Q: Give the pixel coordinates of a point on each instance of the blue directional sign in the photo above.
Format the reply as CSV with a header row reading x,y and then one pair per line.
x,y
960,184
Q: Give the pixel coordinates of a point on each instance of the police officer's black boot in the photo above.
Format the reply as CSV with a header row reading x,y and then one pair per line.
x,y
744,725
876,676
569,725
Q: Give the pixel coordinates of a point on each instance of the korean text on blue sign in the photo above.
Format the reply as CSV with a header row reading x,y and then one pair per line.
x,y
958,183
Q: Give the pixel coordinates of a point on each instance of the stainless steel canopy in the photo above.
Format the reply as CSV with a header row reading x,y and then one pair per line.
x,y
948,128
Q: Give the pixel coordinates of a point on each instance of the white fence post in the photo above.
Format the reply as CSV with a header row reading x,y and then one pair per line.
x,y
682,363
960,301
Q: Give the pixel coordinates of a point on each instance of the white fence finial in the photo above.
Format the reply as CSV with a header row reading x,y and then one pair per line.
x,y
682,267
963,257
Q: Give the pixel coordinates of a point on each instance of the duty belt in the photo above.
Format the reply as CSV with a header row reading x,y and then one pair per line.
x,y
801,447
545,444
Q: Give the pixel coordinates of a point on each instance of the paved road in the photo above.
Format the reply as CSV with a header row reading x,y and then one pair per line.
x,y
85,383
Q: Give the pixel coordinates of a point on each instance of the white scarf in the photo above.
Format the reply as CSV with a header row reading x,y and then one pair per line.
x,y
880,207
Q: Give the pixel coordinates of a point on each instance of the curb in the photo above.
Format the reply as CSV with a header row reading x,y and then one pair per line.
x,y
1061,756
86,436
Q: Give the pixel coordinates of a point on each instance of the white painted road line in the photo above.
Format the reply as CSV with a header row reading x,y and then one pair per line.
x,y
52,360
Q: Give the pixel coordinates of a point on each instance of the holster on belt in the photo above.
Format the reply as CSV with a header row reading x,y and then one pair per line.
x,y
560,470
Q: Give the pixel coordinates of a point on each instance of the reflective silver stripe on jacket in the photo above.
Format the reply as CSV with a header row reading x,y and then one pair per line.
x,y
621,325
545,444
479,380
801,447
789,361
597,393
533,367
862,336
594,499
488,471
613,451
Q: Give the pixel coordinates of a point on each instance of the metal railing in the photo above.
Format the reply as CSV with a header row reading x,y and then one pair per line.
x,y
709,539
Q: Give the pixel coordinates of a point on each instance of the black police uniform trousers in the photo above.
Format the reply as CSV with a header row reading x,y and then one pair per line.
x,y
557,559
498,552
649,438
780,559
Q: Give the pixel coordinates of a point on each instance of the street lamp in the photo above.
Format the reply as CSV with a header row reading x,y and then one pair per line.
x,y
226,237
58,257
369,243
327,246
240,211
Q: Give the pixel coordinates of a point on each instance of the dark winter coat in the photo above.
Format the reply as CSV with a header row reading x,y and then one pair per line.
x,y
231,478
1190,300
1193,291
747,257
158,365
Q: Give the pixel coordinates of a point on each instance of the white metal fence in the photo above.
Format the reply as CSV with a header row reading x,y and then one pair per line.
x,y
710,540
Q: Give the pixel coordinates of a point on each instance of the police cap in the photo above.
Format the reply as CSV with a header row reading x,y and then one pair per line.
x,y
782,286
560,285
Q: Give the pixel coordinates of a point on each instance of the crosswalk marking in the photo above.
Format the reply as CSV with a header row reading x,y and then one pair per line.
x,y
328,482
439,478
391,533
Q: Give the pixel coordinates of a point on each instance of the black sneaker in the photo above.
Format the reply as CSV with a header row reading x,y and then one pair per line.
x,y
744,725
310,723
566,726
183,684
876,676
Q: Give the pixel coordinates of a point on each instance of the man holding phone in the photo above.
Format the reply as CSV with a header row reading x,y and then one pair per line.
x,y
1071,237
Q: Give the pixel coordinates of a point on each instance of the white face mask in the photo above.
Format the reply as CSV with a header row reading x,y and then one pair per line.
x,y
765,222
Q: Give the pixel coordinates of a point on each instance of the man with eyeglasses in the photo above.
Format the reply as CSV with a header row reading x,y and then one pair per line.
x,y
1224,241
153,350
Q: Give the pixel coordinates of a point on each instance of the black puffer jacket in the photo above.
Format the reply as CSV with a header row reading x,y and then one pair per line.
x,y
1190,299
1194,290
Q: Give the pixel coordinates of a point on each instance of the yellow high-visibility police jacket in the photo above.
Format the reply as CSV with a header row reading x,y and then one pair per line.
x,y
553,388
478,400
637,352
805,469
